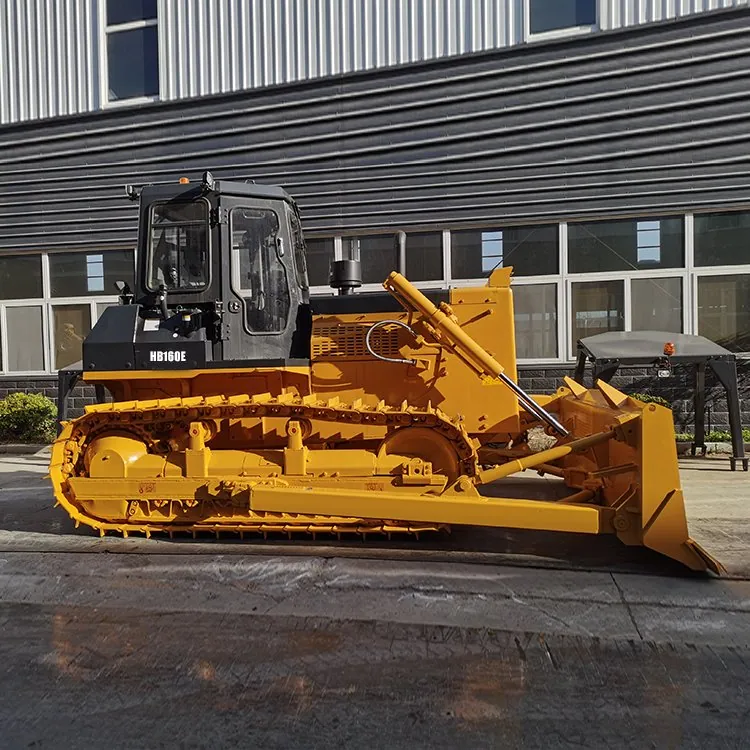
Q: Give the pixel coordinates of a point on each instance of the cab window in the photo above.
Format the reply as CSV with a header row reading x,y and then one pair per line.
x,y
260,276
178,246
298,248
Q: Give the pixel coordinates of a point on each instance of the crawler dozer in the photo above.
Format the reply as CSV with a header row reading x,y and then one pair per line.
x,y
239,404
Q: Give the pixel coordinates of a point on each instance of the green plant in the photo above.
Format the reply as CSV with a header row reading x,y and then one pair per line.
x,y
724,436
28,417
715,436
647,398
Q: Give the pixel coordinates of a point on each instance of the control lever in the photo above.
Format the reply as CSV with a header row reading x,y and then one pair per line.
x,y
162,300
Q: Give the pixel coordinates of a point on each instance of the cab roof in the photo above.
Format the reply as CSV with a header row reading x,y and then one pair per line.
x,y
192,190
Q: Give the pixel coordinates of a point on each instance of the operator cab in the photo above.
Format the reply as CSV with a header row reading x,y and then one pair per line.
x,y
221,280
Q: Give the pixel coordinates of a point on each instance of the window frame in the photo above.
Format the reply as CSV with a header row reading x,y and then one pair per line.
x,y
234,269
688,273
105,29
713,272
47,302
567,32
209,246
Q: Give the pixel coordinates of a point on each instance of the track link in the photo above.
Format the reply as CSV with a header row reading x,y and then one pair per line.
x,y
150,420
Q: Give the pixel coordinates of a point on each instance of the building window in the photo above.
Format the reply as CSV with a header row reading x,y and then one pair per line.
x,y
424,256
535,318
20,276
626,245
132,50
724,310
531,251
596,307
492,251
656,304
71,324
546,16
319,259
84,274
49,302
95,273
722,239
578,279
648,242
377,253
24,325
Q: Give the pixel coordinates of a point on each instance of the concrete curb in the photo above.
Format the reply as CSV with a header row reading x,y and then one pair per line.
x,y
715,449
23,449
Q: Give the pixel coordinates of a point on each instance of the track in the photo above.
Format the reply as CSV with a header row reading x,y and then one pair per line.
x,y
173,503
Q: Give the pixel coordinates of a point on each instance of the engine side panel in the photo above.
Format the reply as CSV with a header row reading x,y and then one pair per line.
x,y
341,364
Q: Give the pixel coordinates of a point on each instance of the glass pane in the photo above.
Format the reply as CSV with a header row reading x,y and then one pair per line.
x,y
597,306
722,239
133,63
377,253
262,277
424,256
102,306
319,259
88,274
724,310
626,245
25,339
72,324
535,313
656,305
546,15
125,11
179,245
20,276
298,247
531,251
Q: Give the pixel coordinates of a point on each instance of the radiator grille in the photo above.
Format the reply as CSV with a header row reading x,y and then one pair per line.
x,y
349,341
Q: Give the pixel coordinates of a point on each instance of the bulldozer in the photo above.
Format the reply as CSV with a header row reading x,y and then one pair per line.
x,y
239,404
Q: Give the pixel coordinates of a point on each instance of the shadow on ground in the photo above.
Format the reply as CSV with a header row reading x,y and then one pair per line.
x,y
27,506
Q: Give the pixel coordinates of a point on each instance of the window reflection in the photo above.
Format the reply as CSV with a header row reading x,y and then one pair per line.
x,y
377,254
724,310
531,251
319,258
72,324
626,245
535,316
598,307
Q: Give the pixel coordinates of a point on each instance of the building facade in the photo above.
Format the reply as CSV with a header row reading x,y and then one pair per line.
x,y
597,146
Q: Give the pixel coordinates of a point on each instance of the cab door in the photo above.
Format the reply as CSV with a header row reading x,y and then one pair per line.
x,y
259,287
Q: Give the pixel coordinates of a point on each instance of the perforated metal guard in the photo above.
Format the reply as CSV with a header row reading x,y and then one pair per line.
x,y
349,341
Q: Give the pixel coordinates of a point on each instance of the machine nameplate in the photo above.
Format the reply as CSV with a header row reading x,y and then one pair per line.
x,y
168,356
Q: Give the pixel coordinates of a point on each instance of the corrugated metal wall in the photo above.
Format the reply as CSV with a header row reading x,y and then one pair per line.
x,y
49,58
617,14
650,119
239,44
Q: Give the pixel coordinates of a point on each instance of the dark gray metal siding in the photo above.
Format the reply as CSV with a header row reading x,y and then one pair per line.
x,y
649,119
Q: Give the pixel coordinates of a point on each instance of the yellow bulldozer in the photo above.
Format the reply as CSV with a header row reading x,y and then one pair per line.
x,y
241,405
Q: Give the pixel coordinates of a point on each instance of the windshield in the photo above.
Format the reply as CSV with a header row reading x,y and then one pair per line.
x,y
178,253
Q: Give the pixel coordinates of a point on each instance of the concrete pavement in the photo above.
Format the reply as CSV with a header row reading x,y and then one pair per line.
x,y
545,641
717,502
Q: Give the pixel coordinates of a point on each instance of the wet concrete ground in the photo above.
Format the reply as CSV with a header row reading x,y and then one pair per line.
x,y
549,643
